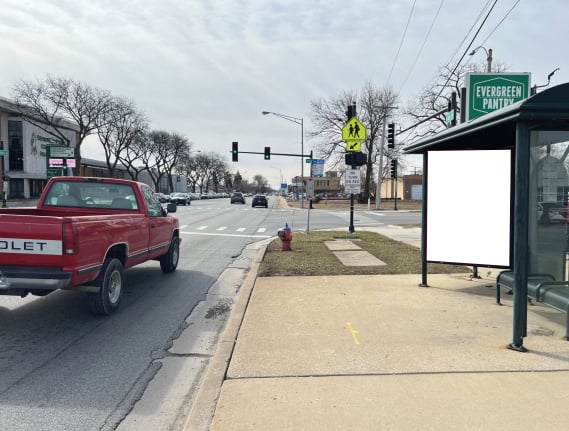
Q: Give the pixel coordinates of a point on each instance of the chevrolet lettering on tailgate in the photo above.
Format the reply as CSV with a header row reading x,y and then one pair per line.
x,y
30,246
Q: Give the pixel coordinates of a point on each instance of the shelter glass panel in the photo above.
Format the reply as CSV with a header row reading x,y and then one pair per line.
x,y
548,197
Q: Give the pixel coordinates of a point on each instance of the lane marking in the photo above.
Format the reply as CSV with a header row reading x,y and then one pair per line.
x,y
202,227
353,332
262,229
241,229
228,234
222,228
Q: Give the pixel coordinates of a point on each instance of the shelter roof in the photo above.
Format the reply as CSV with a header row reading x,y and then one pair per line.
x,y
548,109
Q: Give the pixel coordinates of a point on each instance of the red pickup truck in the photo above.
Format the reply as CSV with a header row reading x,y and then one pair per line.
x,y
82,235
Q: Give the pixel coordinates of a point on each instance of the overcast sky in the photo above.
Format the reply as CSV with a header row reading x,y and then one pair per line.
x,y
206,69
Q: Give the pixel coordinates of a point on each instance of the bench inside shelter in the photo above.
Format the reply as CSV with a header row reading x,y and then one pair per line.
x,y
541,288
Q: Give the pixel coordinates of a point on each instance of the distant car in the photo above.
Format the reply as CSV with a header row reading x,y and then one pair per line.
x,y
180,198
260,201
237,197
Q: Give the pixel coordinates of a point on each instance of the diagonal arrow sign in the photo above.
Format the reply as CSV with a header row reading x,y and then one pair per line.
x,y
353,145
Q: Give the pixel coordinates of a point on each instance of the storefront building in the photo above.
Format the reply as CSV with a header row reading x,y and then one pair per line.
x,y
23,157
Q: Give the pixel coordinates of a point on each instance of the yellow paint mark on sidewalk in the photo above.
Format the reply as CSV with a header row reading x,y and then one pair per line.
x,y
353,332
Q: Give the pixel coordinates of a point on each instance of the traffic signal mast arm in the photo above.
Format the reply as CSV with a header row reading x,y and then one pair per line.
x,y
436,114
276,154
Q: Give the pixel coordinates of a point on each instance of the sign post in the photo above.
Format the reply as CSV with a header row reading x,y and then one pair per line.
x,y
353,133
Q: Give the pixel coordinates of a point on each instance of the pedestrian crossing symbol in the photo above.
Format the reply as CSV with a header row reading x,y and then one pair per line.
x,y
353,133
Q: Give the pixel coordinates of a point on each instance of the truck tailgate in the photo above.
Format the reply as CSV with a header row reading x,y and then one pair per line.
x,y
31,240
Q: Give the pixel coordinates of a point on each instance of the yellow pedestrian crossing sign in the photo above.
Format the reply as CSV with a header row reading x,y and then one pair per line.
x,y
353,133
354,130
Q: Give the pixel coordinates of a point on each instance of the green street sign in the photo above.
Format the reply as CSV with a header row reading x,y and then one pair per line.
x,y
488,92
308,161
3,152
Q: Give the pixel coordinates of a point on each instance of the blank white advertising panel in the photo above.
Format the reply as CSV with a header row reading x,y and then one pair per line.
x,y
468,207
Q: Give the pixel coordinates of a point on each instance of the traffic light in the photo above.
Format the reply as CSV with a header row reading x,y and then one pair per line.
x,y
394,169
267,153
5,178
391,135
235,152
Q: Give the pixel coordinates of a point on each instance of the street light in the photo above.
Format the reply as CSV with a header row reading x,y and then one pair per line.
x,y
488,57
299,121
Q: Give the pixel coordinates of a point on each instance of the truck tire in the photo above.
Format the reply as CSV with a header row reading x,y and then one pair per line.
x,y
169,261
110,281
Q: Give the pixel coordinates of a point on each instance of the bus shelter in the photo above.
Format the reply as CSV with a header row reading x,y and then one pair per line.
x,y
495,194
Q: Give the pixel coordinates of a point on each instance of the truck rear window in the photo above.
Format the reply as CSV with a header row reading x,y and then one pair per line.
x,y
78,194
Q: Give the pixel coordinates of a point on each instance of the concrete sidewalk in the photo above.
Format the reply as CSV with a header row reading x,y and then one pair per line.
x,y
379,352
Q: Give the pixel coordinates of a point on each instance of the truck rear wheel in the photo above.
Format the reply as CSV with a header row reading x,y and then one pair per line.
x,y
110,281
169,261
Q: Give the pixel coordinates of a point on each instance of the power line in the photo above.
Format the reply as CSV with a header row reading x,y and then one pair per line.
x,y
496,27
467,33
401,43
466,50
500,23
422,46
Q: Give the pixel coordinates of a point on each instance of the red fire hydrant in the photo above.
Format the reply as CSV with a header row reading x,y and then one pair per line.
x,y
285,234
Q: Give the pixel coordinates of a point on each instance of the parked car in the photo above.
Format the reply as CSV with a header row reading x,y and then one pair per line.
x,y
548,212
162,197
260,201
180,198
237,197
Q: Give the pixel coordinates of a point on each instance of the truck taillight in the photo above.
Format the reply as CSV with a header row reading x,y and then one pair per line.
x,y
70,240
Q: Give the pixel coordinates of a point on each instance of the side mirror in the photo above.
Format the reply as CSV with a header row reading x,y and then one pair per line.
x,y
171,208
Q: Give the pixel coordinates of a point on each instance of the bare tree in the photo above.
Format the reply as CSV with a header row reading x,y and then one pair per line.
x,y
119,128
132,156
174,149
261,183
55,103
204,170
436,96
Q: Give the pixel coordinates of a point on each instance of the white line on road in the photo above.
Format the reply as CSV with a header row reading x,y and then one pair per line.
x,y
202,227
241,229
222,228
226,234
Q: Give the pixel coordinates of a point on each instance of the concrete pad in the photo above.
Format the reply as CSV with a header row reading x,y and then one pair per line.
x,y
386,324
341,244
357,258
440,402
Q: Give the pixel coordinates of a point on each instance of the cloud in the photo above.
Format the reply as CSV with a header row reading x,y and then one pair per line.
x,y
207,68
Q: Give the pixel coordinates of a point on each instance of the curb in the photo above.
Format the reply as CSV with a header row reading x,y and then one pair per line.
x,y
203,408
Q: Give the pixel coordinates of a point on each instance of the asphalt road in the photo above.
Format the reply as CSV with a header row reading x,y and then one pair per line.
x,y
62,368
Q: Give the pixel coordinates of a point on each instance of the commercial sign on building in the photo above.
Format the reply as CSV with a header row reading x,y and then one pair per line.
x,y
488,92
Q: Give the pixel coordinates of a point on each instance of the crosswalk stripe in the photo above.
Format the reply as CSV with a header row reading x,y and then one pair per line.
x,y
222,228
201,228
262,229
241,229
